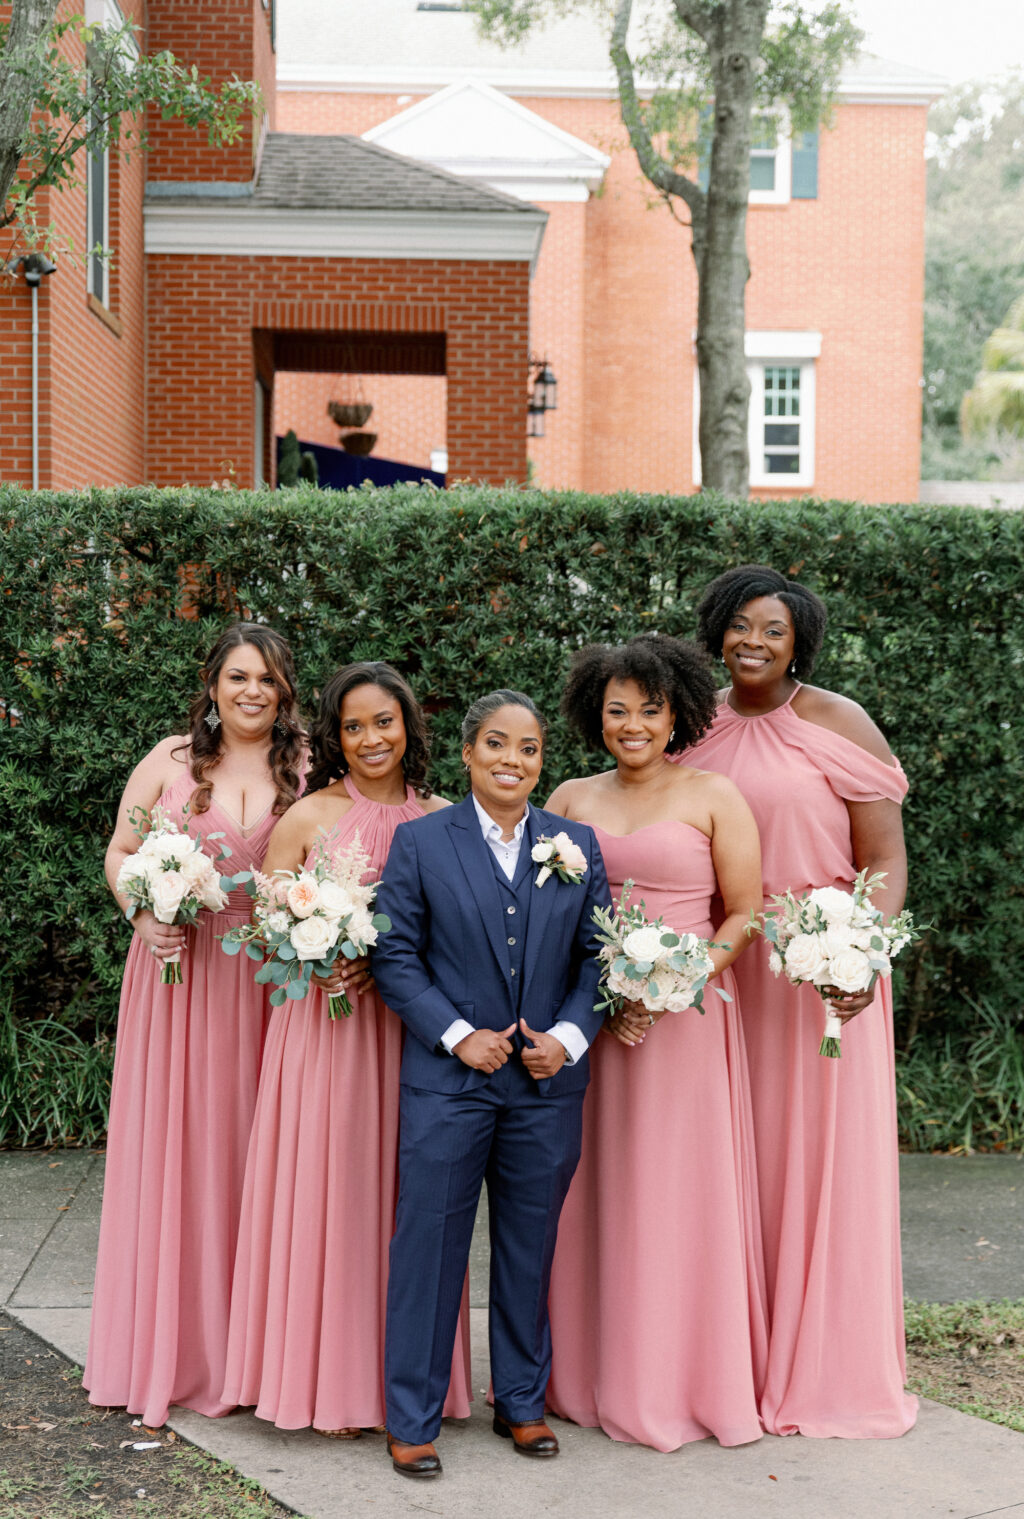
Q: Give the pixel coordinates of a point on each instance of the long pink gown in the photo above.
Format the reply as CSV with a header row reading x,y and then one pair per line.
x,y
825,1130
306,1344
184,1090
657,1294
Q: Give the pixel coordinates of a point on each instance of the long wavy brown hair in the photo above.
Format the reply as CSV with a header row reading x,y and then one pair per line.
x,y
328,762
288,737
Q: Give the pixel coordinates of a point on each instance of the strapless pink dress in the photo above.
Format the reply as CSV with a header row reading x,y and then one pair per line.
x,y
186,1071
825,1130
657,1295
306,1343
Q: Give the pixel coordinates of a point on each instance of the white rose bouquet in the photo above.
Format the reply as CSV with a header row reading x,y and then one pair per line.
x,y
303,920
643,961
171,877
835,940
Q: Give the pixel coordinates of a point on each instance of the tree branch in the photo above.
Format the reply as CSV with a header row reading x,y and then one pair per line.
x,y
657,169
29,24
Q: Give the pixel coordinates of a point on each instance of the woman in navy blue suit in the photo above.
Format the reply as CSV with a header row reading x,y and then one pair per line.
x,y
492,969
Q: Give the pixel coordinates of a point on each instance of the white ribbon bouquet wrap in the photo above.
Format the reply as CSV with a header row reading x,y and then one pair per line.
x,y
834,940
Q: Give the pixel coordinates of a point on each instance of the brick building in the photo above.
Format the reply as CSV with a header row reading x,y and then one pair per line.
x,y
835,232
414,215
230,265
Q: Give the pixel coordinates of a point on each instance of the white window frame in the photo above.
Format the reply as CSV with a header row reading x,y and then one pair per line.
x,y
792,350
97,271
783,156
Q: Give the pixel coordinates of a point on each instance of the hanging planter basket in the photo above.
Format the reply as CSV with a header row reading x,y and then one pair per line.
x,y
360,443
350,413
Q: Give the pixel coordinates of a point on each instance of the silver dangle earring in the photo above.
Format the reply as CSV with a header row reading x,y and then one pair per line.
x,y
280,727
212,718
672,735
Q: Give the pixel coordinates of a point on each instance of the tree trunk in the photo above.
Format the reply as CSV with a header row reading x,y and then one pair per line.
x,y
30,21
720,251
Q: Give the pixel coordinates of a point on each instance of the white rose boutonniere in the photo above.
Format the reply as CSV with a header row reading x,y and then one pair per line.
x,y
560,857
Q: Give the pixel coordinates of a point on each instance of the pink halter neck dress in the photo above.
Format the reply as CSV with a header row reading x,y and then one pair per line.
x,y
825,1130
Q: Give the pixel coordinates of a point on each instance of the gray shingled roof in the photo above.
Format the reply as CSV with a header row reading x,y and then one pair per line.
x,y
311,172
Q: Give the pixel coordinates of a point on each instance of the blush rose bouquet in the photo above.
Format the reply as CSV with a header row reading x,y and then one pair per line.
x,y
170,876
834,940
643,961
302,920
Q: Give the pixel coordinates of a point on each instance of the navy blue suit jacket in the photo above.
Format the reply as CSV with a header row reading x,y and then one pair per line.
x,y
445,955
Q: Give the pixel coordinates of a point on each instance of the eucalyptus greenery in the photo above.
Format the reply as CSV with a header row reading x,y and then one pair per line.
x,y
111,598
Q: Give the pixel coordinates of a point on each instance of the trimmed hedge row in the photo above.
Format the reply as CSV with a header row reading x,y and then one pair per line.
x,y
110,599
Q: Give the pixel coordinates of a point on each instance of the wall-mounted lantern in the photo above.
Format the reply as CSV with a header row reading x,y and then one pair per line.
x,y
542,397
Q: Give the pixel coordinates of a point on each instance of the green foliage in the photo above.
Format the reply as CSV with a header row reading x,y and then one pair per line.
x,y
54,1085
957,1326
965,1090
289,463
102,103
974,258
111,598
995,404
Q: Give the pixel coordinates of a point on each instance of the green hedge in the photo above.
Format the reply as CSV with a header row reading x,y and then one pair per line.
x,y
466,590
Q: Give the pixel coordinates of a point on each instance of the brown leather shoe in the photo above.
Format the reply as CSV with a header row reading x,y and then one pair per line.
x,y
533,1438
413,1460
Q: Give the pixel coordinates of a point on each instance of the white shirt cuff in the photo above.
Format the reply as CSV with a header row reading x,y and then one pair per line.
x,y
455,1033
572,1037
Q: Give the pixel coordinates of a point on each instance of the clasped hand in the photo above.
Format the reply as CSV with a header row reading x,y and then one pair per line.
x,y
631,1023
164,940
346,976
488,1050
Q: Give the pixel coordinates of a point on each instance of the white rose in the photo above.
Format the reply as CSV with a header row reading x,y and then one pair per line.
x,y
210,894
360,928
838,906
667,988
168,889
303,895
572,855
196,868
864,916
335,901
277,922
849,971
621,985
805,957
680,1000
168,846
311,938
134,868
836,937
542,851
643,943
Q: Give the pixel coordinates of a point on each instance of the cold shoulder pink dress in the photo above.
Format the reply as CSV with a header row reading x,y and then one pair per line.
x,y
307,1315
657,1295
825,1130
186,1071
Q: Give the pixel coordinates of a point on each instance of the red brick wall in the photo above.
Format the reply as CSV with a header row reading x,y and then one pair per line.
x,y
222,38
200,393
409,411
91,392
614,302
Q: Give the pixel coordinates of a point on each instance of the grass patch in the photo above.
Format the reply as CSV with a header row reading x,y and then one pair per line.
x,y
969,1356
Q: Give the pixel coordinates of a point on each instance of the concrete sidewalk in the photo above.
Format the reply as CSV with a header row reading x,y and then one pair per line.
x,y
963,1237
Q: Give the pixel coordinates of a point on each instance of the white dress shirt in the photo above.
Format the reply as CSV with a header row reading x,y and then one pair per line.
x,y
506,852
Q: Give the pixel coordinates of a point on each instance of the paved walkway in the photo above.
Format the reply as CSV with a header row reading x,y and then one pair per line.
x,y
963,1237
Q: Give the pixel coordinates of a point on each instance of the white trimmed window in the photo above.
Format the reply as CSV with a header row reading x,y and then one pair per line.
x,y
97,185
780,423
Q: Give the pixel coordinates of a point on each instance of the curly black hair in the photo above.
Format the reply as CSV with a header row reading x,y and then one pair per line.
x,y
726,595
670,669
327,759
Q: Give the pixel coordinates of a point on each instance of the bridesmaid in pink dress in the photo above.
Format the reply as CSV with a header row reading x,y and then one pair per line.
x,y
188,1056
826,793
657,1295
307,1313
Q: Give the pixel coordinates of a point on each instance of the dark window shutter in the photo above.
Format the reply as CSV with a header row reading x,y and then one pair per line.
x,y
805,166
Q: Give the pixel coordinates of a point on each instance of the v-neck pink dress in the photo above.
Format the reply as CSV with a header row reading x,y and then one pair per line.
x,y
658,1322
825,1130
307,1316
186,1071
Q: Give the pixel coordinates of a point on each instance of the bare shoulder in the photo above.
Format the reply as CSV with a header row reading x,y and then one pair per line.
x,y
717,790
567,799
840,714
433,803
164,763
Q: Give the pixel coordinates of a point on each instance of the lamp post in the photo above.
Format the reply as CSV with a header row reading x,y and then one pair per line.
x,y
542,396
34,266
